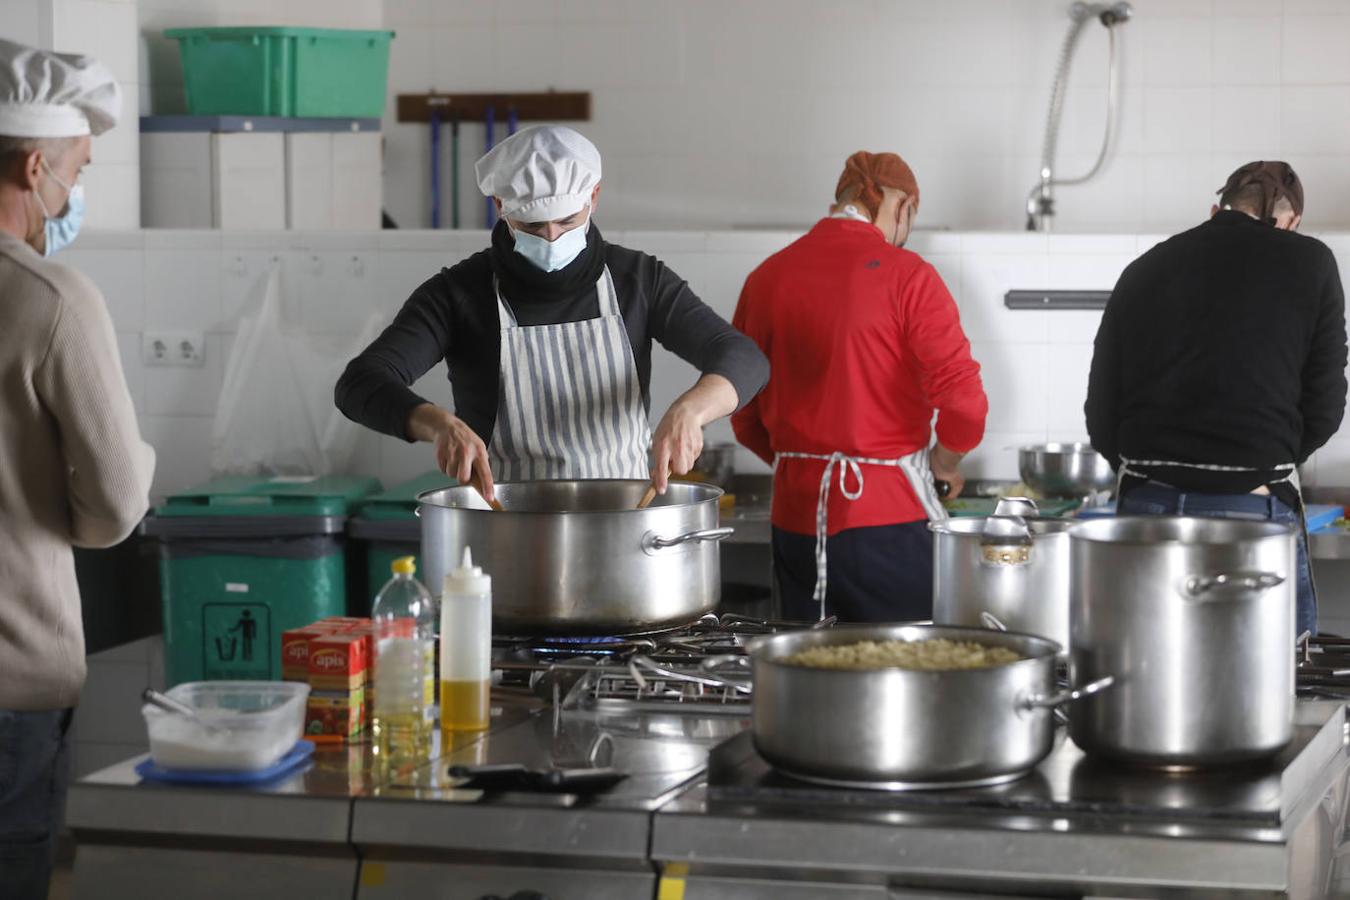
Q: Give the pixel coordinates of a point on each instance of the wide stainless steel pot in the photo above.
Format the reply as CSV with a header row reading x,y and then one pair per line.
x,y
577,557
903,729
1014,568
1064,470
1195,619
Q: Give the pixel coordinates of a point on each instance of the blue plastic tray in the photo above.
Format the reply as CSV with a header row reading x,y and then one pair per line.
x,y
296,757
1321,515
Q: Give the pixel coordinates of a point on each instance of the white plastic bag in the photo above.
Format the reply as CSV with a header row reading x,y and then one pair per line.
x,y
276,414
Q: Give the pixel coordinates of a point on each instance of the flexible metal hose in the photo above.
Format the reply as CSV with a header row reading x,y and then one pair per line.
x,y
1039,199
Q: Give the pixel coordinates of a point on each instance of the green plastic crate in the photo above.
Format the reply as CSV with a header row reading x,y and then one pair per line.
x,y
963,507
387,523
310,72
243,560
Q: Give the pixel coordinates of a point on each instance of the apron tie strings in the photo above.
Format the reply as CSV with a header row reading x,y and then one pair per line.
x,y
915,469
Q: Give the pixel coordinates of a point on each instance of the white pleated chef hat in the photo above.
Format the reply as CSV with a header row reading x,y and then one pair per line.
x,y
540,173
54,95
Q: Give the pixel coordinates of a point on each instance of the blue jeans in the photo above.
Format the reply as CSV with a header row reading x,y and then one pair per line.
x,y
34,773
1153,498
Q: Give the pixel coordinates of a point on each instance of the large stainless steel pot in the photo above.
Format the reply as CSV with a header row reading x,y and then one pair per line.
x,y
1064,470
1014,568
1195,619
577,557
902,729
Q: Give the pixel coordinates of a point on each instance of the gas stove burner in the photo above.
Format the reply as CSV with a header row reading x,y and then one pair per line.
x,y
1323,666
672,666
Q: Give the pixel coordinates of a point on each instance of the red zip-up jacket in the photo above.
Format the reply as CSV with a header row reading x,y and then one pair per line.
x,y
864,343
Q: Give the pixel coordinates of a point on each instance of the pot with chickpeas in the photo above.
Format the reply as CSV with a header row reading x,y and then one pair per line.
x,y
904,707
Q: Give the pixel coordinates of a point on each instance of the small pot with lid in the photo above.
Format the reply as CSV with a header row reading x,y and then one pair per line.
x,y
1012,565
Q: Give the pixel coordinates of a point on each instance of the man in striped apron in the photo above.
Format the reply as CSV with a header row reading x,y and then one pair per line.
x,y
547,339
1219,365
865,344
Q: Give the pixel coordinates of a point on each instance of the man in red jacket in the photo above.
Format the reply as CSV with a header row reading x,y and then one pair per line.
x,y
864,343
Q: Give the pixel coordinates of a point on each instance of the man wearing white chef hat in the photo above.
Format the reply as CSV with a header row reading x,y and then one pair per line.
x,y
547,338
73,468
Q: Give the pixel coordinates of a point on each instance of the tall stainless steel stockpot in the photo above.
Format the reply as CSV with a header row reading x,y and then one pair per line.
x,y
1195,619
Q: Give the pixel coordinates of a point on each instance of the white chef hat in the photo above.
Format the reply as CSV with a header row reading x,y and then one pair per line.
x,y
54,95
540,173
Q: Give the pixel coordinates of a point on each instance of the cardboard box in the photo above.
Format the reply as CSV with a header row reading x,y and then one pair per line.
x,y
339,662
337,713
295,650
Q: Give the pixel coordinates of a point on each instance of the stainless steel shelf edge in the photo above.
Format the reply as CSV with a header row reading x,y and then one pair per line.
x,y
598,834
207,814
685,832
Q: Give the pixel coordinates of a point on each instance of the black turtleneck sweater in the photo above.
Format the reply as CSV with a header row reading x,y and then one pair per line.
x,y
453,316
1224,345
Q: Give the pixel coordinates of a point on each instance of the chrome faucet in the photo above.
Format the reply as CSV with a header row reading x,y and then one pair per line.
x,y
1041,199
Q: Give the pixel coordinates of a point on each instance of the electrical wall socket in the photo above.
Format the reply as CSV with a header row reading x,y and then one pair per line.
x,y
173,348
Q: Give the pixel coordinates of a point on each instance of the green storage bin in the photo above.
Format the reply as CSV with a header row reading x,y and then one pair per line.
x,y
311,72
962,507
387,524
243,559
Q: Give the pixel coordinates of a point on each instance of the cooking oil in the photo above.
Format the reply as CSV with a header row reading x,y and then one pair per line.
x,y
466,647
405,639
464,705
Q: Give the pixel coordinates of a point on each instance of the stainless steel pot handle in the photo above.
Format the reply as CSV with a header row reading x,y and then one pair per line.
x,y
1059,698
652,541
1198,587
991,621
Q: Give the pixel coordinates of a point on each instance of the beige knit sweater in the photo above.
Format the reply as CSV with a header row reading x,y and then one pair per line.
x,y
73,468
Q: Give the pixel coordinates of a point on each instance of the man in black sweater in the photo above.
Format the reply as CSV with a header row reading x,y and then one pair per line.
x,y
547,339
1219,366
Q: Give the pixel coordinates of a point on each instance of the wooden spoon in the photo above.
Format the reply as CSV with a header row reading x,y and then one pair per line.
x,y
494,502
647,497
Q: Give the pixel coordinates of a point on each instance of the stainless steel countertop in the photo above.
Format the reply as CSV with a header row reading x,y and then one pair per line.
x,y
663,752
312,805
662,813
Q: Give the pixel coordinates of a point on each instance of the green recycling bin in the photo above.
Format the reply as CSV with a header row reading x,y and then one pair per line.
x,y
243,559
388,526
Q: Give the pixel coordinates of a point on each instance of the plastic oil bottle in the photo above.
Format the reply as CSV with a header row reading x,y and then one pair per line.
x,y
404,620
466,647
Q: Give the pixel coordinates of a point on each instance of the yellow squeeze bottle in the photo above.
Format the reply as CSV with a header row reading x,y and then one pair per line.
x,y
466,647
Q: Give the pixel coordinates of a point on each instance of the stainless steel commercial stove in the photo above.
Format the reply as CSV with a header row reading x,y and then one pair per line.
x,y
674,827
1073,827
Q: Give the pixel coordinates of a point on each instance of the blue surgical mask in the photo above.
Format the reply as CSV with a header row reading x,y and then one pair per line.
x,y
61,230
552,255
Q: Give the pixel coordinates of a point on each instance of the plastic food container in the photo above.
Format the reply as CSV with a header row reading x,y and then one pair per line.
x,y
244,725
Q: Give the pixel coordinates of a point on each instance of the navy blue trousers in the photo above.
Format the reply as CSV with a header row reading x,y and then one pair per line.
x,y
877,574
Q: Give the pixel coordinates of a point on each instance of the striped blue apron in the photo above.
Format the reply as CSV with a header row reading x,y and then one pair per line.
x,y
569,404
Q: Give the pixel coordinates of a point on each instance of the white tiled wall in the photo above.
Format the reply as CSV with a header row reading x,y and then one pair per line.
x,y
105,29
716,114
1035,362
108,727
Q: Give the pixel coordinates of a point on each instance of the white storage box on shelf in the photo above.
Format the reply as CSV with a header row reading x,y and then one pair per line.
x,y
333,181
260,174
241,726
